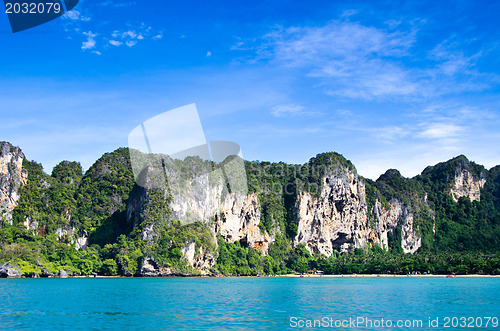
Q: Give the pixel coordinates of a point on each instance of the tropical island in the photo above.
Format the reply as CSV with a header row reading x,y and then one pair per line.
x,y
321,216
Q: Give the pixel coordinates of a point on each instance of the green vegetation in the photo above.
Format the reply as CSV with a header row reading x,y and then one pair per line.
x,y
465,225
95,204
279,183
102,195
376,261
457,237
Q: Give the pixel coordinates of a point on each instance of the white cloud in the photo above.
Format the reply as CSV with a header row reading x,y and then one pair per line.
x,y
209,54
106,3
344,112
129,36
97,52
449,62
354,59
130,33
393,23
73,14
132,37
90,42
283,110
441,130
76,16
390,133
357,61
349,13
337,41
109,3
284,131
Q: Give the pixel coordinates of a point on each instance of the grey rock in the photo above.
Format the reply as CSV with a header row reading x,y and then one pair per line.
x,y
32,275
467,185
337,219
46,273
149,268
8,270
62,273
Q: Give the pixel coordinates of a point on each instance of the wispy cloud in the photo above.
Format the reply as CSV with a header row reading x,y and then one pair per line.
x,y
132,36
116,4
358,61
287,110
451,61
76,16
355,60
273,130
76,25
293,110
441,131
90,42
390,134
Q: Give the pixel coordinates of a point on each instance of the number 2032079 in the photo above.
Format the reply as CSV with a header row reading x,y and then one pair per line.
x,y
33,8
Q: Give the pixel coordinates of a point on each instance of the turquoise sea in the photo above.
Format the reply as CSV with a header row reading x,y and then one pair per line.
x,y
250,303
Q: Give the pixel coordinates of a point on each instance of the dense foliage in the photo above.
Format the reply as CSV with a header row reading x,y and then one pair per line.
x,y
457,236
464,225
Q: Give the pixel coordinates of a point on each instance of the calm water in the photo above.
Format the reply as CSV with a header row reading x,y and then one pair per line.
x,y
243,303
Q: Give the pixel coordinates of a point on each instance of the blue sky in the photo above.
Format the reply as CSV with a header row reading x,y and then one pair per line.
x,y
388,84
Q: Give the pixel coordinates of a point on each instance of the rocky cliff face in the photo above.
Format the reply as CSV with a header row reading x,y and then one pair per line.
x,y
234,216
12,177
337,219
239,220
76,236
198,258
467,185
388,220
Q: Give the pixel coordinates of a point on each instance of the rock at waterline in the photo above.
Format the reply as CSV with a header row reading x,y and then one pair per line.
x,y
8,270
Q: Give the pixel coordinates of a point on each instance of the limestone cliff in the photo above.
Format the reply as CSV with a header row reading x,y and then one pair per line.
x,y
337,219
388,220
12,177
467,185
234,216
200,259
75,235
348,211
239,220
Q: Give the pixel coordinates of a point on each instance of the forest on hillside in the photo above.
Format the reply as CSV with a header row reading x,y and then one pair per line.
x,y
461,237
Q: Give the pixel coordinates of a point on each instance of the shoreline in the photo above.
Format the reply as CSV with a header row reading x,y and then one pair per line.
x,y
383,276
275,276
